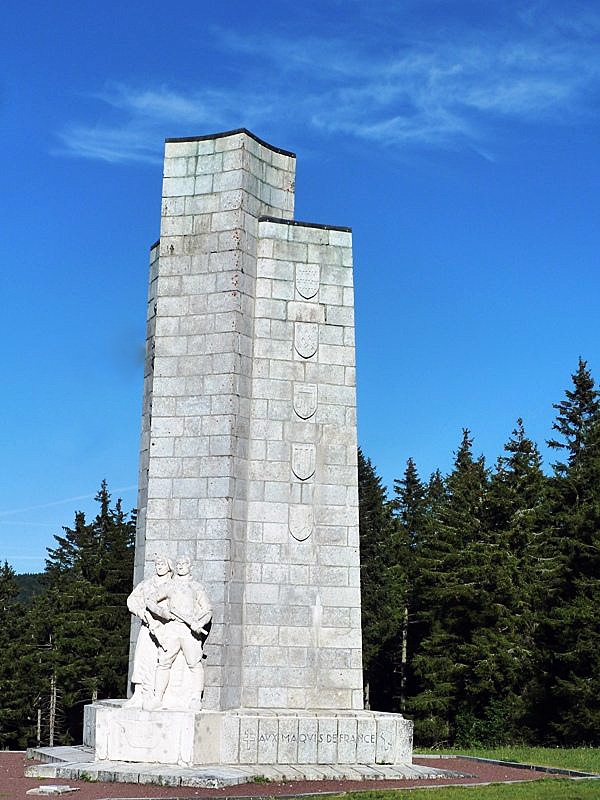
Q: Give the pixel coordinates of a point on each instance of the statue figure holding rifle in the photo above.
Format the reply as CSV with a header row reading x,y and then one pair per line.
x,y
174,610
186,610
143,604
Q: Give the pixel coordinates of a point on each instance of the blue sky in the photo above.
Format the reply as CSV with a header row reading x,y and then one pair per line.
x,y
458,139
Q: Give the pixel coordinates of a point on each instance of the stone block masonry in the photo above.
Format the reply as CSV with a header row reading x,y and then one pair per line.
x,y
196,424
248,456
251,737
248,465
302,598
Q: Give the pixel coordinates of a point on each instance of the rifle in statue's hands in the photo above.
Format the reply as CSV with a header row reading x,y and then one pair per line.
x,y
157,631
159,612
195,627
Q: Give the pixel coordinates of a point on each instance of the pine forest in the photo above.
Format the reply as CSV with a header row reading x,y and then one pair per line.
x,y
480,599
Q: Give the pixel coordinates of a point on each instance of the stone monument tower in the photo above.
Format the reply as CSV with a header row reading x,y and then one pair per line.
x,y
248,466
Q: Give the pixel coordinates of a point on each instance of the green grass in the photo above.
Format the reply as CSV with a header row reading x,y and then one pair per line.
x,y
545,789
585,759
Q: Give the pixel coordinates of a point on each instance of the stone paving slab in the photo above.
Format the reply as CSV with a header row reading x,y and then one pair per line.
x,y
220,776
61,754
73,763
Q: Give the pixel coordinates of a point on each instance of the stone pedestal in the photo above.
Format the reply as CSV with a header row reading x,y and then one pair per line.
x,y
247,736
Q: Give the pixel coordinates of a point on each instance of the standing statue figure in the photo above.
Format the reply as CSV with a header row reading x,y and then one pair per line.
x,y
187,612
144,603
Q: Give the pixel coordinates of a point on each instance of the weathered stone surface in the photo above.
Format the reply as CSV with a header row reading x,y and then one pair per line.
x,y
249,435
132,734
216,776
249,736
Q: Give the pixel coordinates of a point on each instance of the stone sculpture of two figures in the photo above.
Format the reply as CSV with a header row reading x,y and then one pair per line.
x,y
175,612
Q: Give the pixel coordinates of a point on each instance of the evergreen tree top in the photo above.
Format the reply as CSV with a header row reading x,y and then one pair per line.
x,y
576,415
409,504
9,588
95,550
519,470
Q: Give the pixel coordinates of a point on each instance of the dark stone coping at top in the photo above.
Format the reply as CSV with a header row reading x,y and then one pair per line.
x,y
305,224
289,222
232,133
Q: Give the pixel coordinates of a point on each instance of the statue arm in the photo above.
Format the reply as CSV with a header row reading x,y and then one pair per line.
x,y
158,611
136,602
153,600
203,611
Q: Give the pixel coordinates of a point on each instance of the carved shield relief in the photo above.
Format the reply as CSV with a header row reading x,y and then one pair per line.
x,y
304,460
306,338
308,277
305,399
301,522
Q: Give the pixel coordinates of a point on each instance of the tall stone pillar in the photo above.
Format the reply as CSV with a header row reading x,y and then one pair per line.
x,y
193,486
248,465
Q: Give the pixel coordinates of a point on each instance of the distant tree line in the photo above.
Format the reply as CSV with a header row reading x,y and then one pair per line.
x,y
481,588
480,599
28,585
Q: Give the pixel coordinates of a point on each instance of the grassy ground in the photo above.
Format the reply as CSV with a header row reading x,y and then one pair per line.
x,y
585,759
546,789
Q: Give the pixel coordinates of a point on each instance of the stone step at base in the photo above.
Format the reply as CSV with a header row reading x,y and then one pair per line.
x,y
48,755
68,765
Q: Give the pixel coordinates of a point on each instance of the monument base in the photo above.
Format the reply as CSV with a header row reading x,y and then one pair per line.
x,y
77,763
246,736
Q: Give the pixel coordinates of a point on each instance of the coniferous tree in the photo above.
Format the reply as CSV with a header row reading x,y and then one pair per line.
x,y
410,510
504,588
517,518
8,587
577,414
80,623
424,563
455,562
576,687
379,615
571,636
12,707
427,703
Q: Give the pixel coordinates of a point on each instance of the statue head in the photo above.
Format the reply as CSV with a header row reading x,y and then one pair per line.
x,y
183,565
162,564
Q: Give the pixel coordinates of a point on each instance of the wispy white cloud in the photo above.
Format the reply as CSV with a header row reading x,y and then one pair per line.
x,y
64,501
206,106
333,58
151,114
436,91
130,142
